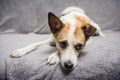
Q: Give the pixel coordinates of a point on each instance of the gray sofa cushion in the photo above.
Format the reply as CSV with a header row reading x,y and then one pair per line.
x,y
100,59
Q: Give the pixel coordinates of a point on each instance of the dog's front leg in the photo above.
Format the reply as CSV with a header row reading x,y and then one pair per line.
x,y
22,51
53,58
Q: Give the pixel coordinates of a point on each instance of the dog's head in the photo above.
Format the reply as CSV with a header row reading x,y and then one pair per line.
x,y
70,37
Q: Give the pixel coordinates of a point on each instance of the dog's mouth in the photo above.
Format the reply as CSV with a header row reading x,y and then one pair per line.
x,y
67,69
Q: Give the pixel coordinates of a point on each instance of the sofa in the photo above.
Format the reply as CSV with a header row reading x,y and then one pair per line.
x,y
23,22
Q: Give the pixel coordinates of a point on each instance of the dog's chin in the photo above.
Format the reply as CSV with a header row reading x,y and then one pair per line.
x,y
68,69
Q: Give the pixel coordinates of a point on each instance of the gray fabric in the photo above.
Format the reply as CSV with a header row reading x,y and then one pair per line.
x,y
100,59
25,16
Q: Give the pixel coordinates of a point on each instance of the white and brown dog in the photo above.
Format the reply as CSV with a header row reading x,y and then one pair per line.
x,y
70,33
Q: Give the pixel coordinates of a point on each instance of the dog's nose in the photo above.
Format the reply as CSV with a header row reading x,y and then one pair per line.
x,y
68,65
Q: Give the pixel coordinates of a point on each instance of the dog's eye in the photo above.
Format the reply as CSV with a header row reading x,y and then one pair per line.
x,y
78,47
63,44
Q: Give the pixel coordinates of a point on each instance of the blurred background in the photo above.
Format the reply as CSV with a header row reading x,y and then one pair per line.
x,y
26,16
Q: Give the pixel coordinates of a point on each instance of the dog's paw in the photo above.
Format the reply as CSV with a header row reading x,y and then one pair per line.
x,y
52,59
17,53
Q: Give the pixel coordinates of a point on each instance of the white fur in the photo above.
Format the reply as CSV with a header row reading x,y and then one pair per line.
x,y
22,51
53,58
72,9
69,53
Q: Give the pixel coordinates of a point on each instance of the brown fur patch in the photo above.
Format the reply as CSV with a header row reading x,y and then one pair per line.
x,y
79,33
62,35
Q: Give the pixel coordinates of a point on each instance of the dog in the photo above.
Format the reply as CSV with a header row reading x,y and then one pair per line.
x,y
70,34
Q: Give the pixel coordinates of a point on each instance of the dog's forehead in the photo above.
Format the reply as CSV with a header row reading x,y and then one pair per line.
x,y
72,30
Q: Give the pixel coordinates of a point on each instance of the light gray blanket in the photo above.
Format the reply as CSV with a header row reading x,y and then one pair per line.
x,y
100,59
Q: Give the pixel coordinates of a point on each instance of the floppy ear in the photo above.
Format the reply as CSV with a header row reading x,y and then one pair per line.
x,y
54,22
89,30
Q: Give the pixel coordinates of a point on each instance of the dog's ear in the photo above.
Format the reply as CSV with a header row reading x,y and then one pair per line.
x,y
89,30
54,22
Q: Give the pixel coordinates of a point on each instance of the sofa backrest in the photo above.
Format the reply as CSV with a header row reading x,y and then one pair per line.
x,y
25,16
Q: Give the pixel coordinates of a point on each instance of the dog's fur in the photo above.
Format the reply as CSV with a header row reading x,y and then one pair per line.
x,y
70,33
